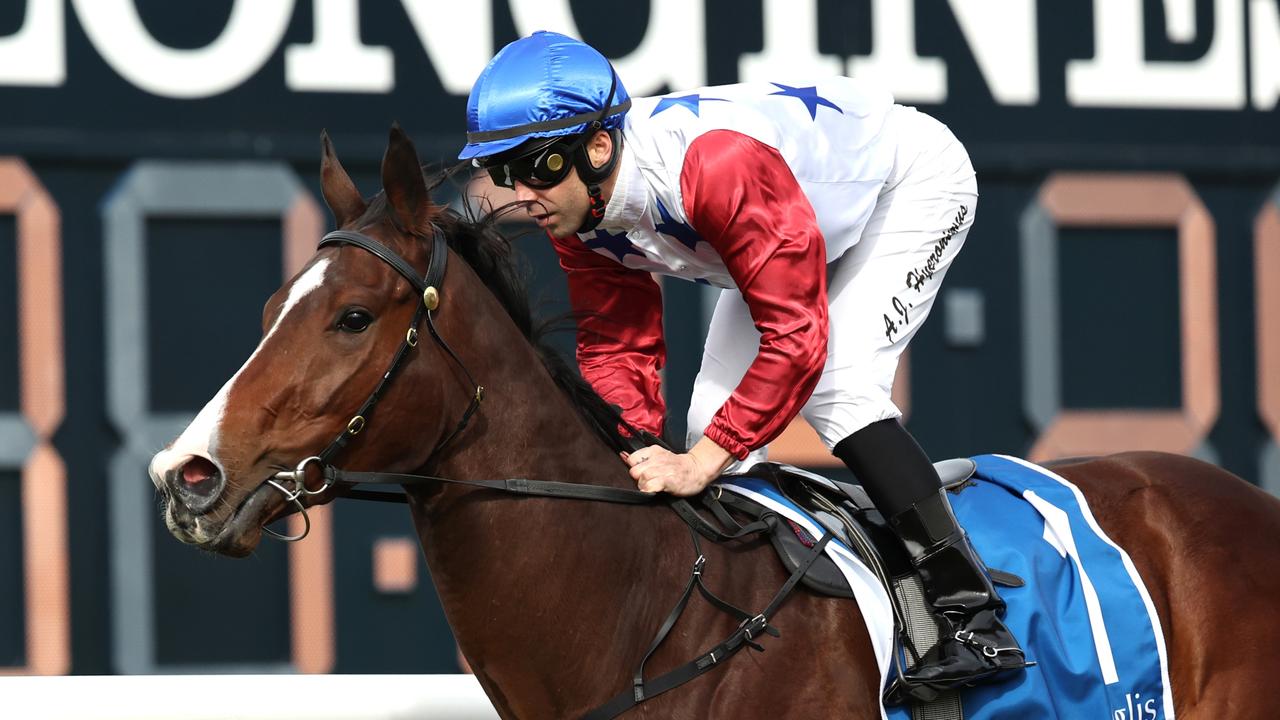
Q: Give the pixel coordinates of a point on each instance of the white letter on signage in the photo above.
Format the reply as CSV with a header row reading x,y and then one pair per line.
x,y
1002,36
1264,44
336,61
1180,20
36,54
1120,76
252,34
790,45
460,48
672,53
893,61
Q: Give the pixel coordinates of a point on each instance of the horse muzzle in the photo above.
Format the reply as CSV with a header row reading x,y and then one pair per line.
x,y
197,483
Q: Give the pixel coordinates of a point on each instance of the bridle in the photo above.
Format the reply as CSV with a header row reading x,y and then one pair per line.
x,y
751,626
292,483
428,289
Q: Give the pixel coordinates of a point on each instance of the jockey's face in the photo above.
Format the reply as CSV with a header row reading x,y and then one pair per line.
x,y
562,208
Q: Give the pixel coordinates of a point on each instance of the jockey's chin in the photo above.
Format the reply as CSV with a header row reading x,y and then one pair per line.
x,y
559,226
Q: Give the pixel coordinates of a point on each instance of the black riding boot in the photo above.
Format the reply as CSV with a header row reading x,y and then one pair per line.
x,y
974,643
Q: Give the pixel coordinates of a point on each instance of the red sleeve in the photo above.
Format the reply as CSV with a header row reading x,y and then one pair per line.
x,y
740,195
620,345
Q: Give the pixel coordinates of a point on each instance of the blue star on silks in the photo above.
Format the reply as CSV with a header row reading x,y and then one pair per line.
x,y
617,245
685,101
809,96
685,234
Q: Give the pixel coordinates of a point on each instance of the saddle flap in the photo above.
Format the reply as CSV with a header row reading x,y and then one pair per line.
x,y
793,544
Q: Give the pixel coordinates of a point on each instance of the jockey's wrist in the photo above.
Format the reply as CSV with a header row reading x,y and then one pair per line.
x,y
711,458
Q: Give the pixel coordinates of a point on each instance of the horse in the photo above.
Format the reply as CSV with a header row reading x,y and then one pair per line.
x,y
554,601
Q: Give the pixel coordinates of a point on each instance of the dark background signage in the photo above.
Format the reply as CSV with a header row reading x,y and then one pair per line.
x,y
1114,285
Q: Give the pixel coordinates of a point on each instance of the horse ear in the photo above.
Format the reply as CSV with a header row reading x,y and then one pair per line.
x,y
340,194
403,182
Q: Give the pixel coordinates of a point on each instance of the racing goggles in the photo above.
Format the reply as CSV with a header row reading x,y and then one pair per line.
x,y
546,165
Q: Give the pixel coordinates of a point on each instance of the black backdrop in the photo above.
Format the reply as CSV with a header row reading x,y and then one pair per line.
x,y
1118,287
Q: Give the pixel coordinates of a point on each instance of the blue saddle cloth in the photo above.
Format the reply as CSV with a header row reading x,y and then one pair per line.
x,y
1084,614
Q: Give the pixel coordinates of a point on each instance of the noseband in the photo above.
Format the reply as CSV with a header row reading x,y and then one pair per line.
x,y
428,288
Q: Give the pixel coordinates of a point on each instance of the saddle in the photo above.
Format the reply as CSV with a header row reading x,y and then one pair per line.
x,y
846,515
845,510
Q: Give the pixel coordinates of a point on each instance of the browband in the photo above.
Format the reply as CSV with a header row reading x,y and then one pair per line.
x,y
435,269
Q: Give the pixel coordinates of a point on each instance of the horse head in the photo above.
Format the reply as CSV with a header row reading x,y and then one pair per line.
x,y
328,335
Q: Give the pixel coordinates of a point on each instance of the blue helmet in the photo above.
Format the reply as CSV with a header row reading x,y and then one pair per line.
x,y
541,86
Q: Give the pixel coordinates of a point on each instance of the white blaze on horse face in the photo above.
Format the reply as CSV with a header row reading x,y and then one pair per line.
x,y
200,437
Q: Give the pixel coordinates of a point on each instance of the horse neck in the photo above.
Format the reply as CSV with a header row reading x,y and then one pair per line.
x,y
508,568
527,426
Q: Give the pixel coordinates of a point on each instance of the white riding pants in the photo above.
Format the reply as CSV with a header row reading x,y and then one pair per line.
x,y
879,292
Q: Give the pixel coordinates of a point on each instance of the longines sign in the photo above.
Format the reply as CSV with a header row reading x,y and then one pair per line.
x,y
1203,55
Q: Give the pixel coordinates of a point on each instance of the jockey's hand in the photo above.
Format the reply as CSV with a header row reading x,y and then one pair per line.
x,y
656,469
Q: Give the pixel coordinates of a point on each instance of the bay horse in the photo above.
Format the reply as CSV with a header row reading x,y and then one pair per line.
x,y
552,601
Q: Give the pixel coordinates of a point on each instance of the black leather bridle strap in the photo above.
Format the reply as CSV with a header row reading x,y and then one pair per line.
x,y
392,258
478,396
427,287
361,418
434,278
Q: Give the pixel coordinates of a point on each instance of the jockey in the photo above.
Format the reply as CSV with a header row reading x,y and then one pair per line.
x,y
827,214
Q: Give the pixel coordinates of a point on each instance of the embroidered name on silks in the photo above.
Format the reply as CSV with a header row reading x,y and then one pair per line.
x,y
918,277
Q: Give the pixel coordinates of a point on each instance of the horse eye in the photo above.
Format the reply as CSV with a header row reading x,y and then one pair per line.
x,y
355,321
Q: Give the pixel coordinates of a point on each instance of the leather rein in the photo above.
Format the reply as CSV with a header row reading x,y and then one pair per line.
x,y
292,484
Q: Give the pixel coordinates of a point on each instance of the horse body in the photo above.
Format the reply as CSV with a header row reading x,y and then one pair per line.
x,y
554,601
628,564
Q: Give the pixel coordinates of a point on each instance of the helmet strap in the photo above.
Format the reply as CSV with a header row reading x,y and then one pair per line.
x,y
595,213
594,176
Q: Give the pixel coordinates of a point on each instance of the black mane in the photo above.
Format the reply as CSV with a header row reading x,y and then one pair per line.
x,y
476,239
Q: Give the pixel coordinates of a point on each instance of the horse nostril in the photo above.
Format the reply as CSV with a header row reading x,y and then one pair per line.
x,y
200,477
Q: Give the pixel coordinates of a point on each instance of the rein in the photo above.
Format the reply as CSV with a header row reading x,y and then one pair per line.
x,y
344,482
